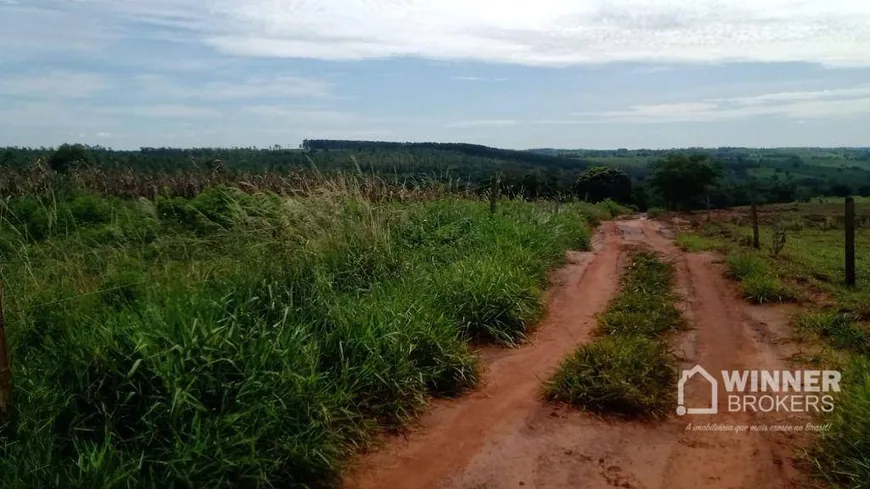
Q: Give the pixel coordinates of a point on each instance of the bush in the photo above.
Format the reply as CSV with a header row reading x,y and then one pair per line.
x,y
628,375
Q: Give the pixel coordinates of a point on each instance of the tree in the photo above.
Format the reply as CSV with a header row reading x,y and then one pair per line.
x,y
67,156
682,180
601,183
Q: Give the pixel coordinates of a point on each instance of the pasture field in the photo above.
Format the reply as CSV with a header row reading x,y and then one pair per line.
x,y
809,270
248,339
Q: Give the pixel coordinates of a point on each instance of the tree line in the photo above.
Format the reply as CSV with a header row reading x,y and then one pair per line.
x,y
678,179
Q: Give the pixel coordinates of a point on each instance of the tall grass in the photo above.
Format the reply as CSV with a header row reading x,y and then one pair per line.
x,y
250,340
630,371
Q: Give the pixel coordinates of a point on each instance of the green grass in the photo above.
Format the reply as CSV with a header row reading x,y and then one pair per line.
x,y
237,340
841,455
627,375
645,304
757,281
630,371
695,243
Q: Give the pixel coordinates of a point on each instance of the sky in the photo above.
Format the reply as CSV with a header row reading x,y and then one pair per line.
x,y
505,73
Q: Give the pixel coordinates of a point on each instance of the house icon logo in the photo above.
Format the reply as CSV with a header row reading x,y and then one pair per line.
x,y
681,394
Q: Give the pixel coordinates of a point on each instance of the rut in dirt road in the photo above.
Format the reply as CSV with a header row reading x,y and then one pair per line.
x,y
505,435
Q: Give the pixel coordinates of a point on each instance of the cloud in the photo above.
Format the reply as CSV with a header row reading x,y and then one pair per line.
x,y
166,111
547,32
262,87
482,123
53,84
478,79
841,102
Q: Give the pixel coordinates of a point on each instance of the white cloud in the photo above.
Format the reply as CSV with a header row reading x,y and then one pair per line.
x,y
165,111
841,102
274,87
546,32
482,123
478,79
53,84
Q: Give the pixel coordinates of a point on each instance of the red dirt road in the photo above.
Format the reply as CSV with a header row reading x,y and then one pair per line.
x,y
504,435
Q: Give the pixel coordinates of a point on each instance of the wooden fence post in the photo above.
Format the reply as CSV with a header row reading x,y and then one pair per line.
x,y
754,215
850,241
5,371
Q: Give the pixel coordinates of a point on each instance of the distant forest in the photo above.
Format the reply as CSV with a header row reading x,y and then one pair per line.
x,y
745,174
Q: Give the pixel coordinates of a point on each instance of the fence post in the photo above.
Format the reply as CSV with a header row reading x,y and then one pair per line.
x,y
754,215
493,193
850,241
5,371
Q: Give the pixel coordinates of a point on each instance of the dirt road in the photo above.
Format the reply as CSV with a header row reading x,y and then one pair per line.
x,y
503,435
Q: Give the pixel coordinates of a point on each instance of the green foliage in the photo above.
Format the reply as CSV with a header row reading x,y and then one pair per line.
x,y
757,282
67,156
766,288
842,454
744,265
247,340
628,375
837,327
645,304
694,242
682,180
599,183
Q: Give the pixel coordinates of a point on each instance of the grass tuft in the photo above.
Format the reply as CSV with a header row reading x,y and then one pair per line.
x,y
758,283
645,304
626,375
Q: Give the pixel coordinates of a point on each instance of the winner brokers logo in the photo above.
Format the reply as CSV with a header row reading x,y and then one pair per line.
x,y
763,390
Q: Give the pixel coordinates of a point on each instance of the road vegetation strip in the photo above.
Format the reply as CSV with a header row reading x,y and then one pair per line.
x,y
833,321
630,369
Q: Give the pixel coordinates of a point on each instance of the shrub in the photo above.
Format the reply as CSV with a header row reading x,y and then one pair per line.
x,y
628,375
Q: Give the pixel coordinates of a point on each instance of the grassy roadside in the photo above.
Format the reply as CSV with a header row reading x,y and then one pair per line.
x,y
251,340
630,369
808,269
